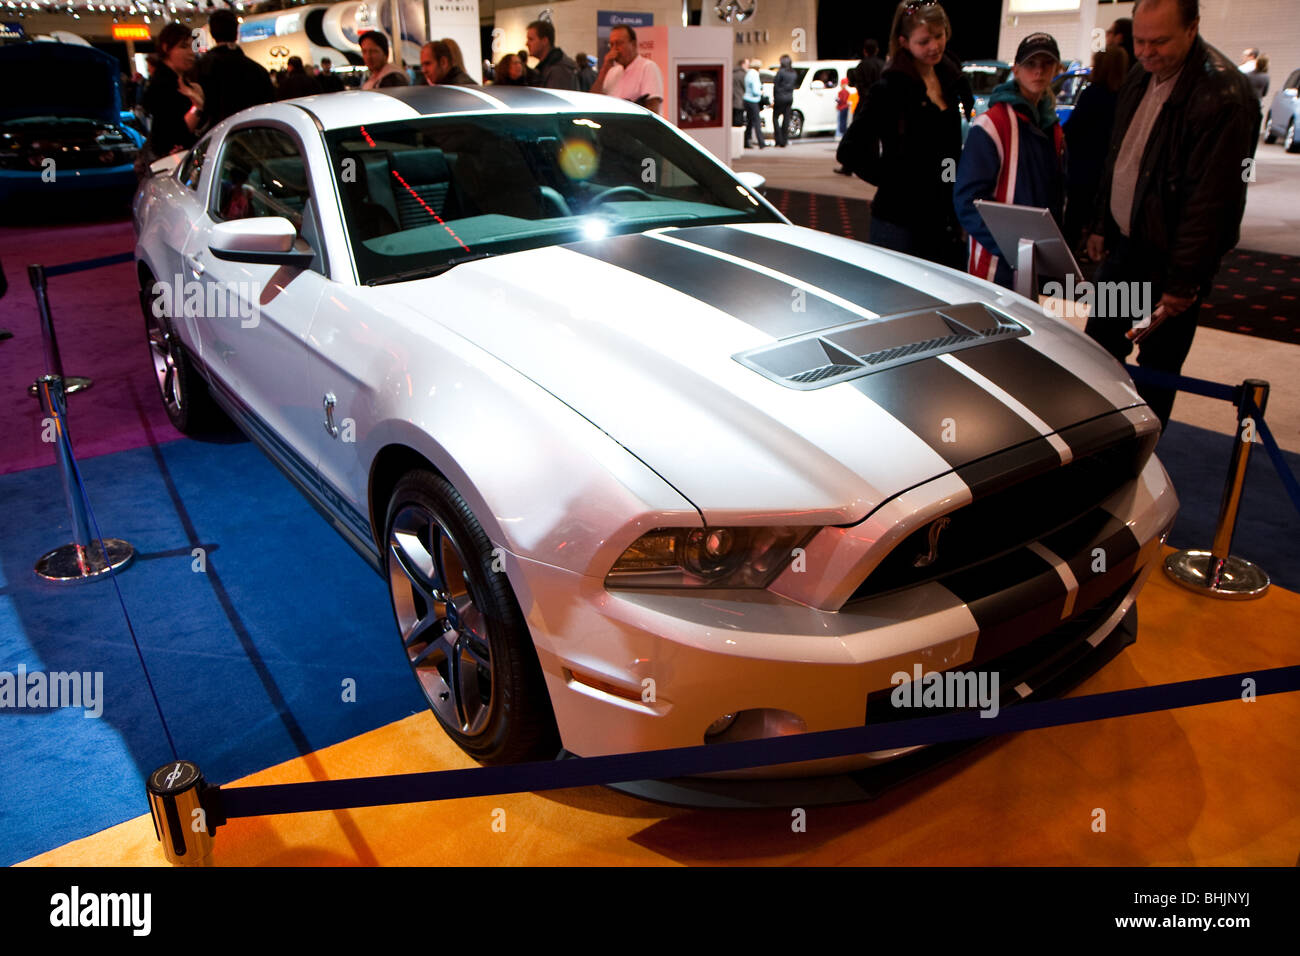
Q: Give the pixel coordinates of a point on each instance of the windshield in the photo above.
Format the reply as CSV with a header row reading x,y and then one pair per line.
x,y
424,195
984,78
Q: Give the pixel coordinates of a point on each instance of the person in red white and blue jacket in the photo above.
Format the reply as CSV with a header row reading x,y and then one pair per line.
x,y
1015,153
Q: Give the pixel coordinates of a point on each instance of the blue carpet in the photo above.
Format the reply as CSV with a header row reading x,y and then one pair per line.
x,y
248,657
1268,525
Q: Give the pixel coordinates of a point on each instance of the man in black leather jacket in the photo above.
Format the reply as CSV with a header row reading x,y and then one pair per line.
x,y
783,100
1180,157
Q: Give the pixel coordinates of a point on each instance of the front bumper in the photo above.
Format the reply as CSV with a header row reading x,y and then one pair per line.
x,y
641,670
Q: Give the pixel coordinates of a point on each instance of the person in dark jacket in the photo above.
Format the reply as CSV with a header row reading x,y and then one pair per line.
x,y
296,82
555,71
1087,138
439,67
1173,191
1015,153
231,81
783,100
1120,33
383,74
586,72
510,71
738,95
175,106
330,82
1258,77
908,138
868,71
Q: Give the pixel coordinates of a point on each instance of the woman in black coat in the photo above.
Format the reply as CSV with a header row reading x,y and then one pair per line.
x,y
175,106
1087,138
907,140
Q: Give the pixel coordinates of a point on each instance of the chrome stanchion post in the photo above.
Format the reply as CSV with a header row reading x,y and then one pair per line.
x,y
85,557
53,360
1216,572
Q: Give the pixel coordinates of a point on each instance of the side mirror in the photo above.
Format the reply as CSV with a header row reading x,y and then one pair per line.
x,y
753,181
271,240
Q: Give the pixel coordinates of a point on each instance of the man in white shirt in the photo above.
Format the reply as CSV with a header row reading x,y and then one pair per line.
x,y
628,75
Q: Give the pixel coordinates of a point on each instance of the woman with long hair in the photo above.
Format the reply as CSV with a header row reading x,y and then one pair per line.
x,y
510,72
174,104
907,139
1087,137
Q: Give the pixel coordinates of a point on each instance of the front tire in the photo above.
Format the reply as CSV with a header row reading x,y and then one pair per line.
x,y
796,125
1290,143
184,394
464,635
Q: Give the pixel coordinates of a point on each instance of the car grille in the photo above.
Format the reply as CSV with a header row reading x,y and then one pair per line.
x,y
1036,664
1007,518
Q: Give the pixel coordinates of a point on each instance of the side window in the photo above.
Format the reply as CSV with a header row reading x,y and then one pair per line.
x,y
192,168
1293,80
829,78
262,173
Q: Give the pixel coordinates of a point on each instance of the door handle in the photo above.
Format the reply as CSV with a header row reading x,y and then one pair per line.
x,y
195,265
329,401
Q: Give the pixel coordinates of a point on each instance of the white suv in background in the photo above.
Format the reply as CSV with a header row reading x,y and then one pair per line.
x,y
815,91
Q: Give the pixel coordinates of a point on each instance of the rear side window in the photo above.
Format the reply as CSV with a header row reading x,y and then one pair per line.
x,y
192,168
827,77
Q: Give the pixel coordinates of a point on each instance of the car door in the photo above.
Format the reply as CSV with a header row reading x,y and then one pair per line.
x,y
822,112
181,209
254,318
1284,104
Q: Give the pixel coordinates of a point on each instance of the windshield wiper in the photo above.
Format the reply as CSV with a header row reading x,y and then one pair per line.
x,y
425,271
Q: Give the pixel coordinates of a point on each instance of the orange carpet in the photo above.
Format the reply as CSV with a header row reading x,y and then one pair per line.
x,y
1214,785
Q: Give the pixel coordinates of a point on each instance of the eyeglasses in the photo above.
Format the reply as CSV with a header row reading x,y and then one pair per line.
x,y
912,6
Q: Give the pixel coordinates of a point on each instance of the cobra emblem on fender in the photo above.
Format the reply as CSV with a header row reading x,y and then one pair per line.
x,y
936,529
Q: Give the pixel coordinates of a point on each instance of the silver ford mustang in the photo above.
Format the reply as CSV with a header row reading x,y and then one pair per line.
x,y
643,464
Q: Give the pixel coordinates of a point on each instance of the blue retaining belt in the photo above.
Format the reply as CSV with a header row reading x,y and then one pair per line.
x,y
84,264
1197,386
685,761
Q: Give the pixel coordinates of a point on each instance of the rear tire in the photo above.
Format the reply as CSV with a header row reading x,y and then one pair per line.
x,y
1291,144
458,620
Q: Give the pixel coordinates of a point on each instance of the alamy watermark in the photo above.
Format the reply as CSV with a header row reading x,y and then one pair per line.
x,y
1103,300
38,690
946,690
213,300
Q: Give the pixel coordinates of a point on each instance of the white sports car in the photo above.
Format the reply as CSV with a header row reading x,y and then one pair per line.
x,y
643,464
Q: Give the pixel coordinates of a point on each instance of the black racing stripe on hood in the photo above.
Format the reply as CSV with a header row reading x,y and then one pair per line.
x,y
430,100
1055,395
864,288
924,395
763,302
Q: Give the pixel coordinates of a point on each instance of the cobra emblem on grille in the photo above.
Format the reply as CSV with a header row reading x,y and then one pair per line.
x,y
936,529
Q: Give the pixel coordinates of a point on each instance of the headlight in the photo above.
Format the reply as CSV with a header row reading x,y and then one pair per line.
x,y
707,557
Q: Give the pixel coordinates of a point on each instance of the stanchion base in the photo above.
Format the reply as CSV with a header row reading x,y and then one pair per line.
x,y
1239,579
72,384
61,564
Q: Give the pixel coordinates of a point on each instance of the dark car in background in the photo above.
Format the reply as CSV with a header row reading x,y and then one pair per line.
x,y
1284,115
61,126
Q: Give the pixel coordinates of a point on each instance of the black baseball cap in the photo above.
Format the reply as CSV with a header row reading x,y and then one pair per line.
x,y
1037,43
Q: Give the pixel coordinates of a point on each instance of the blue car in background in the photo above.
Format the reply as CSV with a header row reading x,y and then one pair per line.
x,y
983,76
61,123
1067,87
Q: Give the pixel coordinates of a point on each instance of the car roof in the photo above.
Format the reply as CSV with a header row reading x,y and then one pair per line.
x,y
394,104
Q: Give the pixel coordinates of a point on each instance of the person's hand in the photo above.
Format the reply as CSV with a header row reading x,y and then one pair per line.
x,y
1168,307
611,57
193,91
1096,248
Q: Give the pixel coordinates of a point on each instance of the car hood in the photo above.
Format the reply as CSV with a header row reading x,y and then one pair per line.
x,y
56,79
773,368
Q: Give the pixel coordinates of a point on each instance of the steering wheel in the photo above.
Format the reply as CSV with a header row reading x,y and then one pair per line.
x,y
612,191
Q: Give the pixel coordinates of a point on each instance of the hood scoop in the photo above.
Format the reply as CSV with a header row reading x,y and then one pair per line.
x,y
846,352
